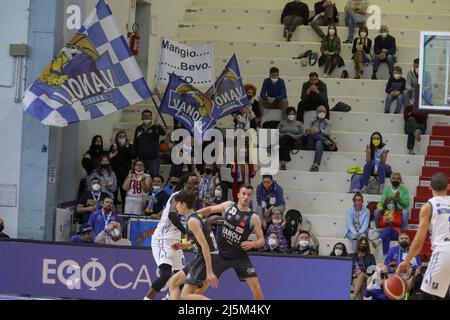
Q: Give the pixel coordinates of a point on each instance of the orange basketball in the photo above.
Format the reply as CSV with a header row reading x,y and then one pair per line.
x,y
395,287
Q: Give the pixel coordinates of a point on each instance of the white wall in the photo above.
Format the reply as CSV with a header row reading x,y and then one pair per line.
x,y
11,113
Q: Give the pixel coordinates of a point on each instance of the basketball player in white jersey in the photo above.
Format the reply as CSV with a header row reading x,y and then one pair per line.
x,y
434,216
168,233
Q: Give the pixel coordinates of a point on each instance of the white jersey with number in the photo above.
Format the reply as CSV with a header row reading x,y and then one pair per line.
x,y
440,222
436,280
166,230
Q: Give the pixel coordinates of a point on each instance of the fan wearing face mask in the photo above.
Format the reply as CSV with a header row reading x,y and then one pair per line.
x,y
318,136
121,155
400,193
106,175
137,185
339,250
361,49
269,195
385,50
376,157
156,198
331,52
397,254
92,156
273,94
112,235
358,219
363,265
301,244
291,131
90,201
275,240
146,142
395,90
390,222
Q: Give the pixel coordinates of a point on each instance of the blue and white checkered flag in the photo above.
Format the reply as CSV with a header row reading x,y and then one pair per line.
x,y
94,75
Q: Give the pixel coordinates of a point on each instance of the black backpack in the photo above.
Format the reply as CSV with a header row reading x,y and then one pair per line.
x,y
342,107
293,219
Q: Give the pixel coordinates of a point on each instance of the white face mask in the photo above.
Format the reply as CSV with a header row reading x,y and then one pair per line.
x,y
291,118
303,244
397,76
115,233
332,32
156,188
139,172
277,221
272,243
338,252
416,70
122,141
321,115
384,34
274,80
147,122
252,237
363,34
218,194
96,187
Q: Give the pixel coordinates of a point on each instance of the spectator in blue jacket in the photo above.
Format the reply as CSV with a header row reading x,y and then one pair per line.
x,y
273,93
397,254
100,219
384,50
395,89
269,195
86,235
358,219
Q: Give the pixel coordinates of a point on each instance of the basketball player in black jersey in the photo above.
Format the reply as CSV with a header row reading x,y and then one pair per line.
x,y
239,223
202,238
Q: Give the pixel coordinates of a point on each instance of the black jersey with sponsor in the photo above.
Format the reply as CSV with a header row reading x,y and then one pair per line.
x,y
235,230
209,236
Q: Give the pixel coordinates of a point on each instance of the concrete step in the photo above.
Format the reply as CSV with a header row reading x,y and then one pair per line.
x,y
340,162
323,181
280,49
273,32
338,87
291,67
259,15
320,203
404,6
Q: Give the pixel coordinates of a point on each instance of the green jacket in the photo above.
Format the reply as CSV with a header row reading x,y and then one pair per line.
x,y
403,203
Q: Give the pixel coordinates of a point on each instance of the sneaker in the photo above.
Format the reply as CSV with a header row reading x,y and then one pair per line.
x,y
314,168
285,33
411,152
283,167
418,135
289,36
365,190
357,77
326,75
374,76
347,41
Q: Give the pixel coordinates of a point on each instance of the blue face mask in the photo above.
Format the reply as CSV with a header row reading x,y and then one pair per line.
x,y
390,206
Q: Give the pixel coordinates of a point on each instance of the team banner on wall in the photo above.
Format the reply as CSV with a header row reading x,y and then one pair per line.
x,y
194,65
93,75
